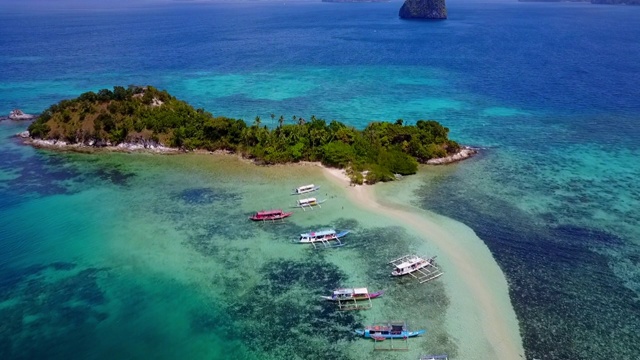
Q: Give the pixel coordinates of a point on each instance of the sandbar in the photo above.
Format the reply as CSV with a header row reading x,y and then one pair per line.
x,y
483,280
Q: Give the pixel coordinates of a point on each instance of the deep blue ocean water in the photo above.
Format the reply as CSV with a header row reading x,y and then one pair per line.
x,y
550,91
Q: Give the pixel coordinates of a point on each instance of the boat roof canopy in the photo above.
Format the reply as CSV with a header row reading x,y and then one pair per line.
x,y
393,326
355,291
343,291
409,261
307,200
404,265
320,233
305,187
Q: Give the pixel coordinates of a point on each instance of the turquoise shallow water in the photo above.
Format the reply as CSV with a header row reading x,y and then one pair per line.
x,y
130,258
544,89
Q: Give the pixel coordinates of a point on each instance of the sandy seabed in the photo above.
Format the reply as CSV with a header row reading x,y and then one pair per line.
x,y
471,273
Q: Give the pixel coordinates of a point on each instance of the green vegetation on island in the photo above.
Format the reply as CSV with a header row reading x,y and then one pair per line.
x,y
145,115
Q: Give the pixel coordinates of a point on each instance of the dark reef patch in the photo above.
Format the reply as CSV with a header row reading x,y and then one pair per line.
x,y
45,173
113,175
569,301
40,174
375,247
46,305
283,314
206,196
222,207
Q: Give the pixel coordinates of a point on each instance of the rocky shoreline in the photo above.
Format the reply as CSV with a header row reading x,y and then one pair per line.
x,y
464,153
157,148
140,146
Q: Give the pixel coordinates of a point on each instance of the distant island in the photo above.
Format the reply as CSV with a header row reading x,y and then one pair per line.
x,y
602,2
150,119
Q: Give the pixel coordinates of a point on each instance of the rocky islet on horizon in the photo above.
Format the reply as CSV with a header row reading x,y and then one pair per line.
x,y
424,9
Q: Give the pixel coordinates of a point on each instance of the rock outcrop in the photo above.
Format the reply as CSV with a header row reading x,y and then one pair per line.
x,y
17,114
423,9
92,146
464,153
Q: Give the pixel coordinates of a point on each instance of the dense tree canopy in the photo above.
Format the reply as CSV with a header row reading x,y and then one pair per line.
x,y
136,114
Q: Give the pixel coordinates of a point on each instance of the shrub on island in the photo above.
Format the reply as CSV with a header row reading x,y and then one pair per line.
x,y
151,116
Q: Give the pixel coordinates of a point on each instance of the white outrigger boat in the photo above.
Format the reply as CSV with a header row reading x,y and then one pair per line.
x,y
420,268
324,237
309,203
349,299
305,189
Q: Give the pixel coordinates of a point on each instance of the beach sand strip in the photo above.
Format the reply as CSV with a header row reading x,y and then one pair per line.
x,y
499,325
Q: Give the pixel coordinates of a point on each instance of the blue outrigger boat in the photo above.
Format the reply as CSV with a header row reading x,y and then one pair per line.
x,y
396,330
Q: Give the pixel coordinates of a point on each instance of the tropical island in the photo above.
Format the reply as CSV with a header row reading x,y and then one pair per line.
x,y
148,118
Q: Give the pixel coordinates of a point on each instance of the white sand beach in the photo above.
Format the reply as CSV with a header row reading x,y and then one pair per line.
x,y
472,274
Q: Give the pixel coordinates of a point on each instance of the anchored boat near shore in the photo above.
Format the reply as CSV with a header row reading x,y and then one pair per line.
x,y
392,330
305,189
328,238
350,299
270,215
420,268
308,203
353,294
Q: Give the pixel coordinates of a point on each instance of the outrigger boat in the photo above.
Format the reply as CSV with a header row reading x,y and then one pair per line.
x,y
394,330
426,269
270,215
348,299
325,237
353,294
308,203
305,189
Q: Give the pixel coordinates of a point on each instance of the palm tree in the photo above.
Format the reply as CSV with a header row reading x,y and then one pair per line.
x,y
281,121
257,121
273,116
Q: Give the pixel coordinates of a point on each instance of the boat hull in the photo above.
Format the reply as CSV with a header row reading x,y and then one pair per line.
x,y
335,237
270,218
371,296
403,335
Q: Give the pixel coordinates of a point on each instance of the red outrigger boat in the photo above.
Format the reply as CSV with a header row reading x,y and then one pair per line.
x,y
270,215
